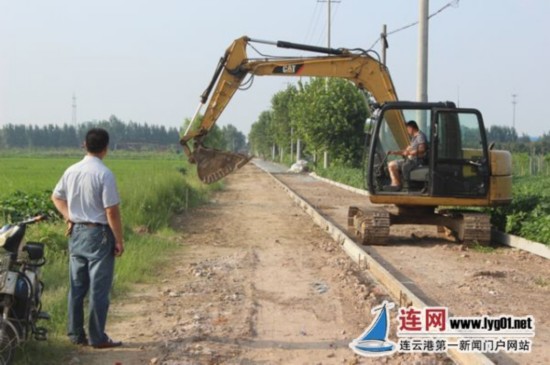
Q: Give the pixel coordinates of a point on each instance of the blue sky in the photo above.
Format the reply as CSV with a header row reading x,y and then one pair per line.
x,y
148,61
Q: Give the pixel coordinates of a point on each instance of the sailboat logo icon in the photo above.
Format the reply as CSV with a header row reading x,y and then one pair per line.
x,y
374,341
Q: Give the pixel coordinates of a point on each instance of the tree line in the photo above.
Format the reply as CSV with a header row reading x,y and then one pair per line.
x,y
330,115
123,135
327,115
507,138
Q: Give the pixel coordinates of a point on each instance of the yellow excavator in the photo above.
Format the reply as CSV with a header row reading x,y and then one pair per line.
x,y
459,170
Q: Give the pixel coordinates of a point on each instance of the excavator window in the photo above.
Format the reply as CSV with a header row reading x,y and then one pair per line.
x,y
460,165
457,163
387,140
416,178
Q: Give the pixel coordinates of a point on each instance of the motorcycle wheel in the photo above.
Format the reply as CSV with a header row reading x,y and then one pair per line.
x,y
8,343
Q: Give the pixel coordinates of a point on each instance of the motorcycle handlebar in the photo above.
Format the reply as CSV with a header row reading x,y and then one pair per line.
x,y
35,219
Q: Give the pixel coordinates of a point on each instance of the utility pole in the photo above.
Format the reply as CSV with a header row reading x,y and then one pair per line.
x,y
329,3
422,86
422,81
329,30
291,143
384,42
514,103
329,15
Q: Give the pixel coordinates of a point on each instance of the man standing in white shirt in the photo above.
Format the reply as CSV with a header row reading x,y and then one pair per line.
x,y
88,199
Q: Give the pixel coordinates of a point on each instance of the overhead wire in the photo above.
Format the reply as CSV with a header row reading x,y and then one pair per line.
x,y
321,33
313,22
453,3
325,30
318,23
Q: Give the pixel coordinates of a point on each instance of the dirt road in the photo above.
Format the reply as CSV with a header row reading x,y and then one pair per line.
x,y
255,282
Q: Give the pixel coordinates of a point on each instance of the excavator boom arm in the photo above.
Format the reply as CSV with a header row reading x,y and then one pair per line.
x,y
360,68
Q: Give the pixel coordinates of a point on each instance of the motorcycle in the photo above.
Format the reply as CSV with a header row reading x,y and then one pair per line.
x,y
20,288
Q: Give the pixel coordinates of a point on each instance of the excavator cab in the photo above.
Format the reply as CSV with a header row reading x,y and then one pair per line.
x,y
457,170
455,164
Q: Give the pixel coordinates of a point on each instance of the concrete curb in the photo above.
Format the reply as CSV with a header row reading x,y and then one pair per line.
x,y
535,248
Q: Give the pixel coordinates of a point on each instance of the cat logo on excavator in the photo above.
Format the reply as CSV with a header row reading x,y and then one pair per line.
x,y
291,69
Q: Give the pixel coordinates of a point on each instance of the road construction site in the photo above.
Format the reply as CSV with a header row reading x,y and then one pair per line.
x,y
256,281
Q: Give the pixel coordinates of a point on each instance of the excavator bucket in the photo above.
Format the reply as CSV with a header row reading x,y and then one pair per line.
x,y
213,164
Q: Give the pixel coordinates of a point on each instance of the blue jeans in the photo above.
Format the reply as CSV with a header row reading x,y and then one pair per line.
x,y
91,267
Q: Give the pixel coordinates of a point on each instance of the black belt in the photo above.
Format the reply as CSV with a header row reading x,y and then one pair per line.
x,y
91,224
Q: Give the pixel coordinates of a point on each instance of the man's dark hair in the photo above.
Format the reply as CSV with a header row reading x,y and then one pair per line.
x,y
412,123
97,139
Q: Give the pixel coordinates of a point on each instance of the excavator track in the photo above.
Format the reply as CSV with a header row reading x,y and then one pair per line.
x,y
476,227
371,225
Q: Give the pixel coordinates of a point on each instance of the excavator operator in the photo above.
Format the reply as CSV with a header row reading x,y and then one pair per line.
x,y
414,155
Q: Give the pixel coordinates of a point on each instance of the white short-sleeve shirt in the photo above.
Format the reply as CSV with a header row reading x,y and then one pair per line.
x,y
88,187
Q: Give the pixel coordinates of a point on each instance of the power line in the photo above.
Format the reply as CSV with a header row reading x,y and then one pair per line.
x,y
453,3
313,22
331,18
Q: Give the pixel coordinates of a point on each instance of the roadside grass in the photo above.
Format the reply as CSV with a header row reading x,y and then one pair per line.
x,y
152,192
528,215
542,282
352,176
478,247
150,208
